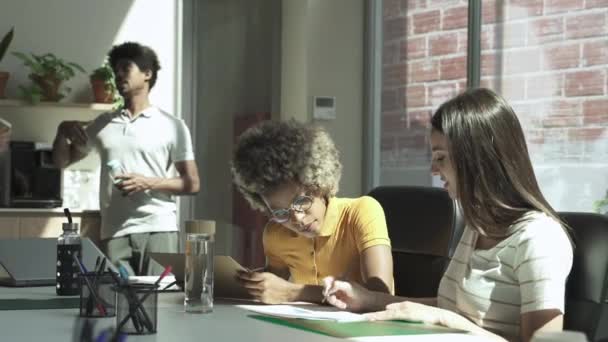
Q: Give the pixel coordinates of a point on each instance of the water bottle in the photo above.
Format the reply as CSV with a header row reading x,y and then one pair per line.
x,y
198,282
68,244
115,169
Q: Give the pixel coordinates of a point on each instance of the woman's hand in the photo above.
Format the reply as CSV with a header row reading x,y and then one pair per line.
x,y
410,311
347,296
267,287
416,312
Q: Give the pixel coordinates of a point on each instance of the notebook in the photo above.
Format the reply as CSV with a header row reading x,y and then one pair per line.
x,y
31,262
224,277
360,328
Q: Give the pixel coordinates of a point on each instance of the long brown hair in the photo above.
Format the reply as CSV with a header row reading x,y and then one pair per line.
x,y
496,182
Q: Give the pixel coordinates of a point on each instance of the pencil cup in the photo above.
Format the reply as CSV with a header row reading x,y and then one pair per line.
x,y
137,308
97,296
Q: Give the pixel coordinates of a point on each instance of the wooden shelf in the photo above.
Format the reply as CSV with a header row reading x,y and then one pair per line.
x,y
102,107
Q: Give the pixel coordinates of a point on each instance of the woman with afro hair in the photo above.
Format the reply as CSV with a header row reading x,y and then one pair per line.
x,y
290,171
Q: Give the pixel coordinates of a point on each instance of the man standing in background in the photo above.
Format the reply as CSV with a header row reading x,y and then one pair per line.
x,y
138,145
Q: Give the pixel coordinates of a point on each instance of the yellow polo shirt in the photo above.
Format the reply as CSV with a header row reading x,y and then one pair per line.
x,y
350,226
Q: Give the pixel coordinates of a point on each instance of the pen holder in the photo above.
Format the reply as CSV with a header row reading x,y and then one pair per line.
x,y
137,308
102,301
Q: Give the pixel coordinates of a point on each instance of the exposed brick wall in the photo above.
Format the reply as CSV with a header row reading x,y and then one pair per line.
x,y
424,65
548,58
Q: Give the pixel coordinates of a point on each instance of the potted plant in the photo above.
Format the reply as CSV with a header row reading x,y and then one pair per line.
x,y
47,72
103,84
4,75
601,206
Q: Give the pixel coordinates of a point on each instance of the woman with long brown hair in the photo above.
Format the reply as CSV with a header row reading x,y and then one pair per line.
x,y
507,277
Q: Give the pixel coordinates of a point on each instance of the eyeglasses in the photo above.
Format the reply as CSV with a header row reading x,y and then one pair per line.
x,y
300,204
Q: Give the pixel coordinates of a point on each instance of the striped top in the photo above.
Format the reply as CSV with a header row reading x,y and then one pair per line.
x,y
525,272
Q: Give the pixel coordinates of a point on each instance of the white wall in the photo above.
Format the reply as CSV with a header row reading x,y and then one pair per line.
x,y
84,31
322,47
236,76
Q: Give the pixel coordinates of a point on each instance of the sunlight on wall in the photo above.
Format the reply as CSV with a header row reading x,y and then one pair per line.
x,y
154,23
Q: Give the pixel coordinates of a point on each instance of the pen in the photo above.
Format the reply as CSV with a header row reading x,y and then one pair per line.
x,y
102,266
131,297
89,305
137,303
164,274
123,272
117,280
84,272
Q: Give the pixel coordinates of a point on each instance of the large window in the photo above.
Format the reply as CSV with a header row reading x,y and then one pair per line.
x,y
548,58
424,46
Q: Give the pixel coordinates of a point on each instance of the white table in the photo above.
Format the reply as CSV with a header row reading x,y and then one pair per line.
x,y
226,323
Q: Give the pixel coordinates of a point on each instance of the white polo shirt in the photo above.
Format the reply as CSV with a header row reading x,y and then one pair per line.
x,y
147,145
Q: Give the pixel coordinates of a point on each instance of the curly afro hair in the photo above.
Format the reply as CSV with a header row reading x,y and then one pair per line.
x,y
274,153
144,57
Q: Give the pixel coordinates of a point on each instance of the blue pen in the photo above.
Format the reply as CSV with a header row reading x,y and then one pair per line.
x,y
103,337
123,272
83,269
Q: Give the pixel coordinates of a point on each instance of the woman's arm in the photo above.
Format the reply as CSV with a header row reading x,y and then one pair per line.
x,y
354,297
541,320
377,268
417,312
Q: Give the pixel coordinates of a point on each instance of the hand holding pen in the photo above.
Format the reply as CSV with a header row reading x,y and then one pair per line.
x,y
346,295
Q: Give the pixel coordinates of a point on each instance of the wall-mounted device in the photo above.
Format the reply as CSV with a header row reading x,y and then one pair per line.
x,y
324,108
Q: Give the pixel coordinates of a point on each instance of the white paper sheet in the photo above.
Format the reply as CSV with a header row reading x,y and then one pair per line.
x,y
152,279
305,312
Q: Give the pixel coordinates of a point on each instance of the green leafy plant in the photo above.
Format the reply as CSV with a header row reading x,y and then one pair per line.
x,y
601,206
6,41
104,85
47,72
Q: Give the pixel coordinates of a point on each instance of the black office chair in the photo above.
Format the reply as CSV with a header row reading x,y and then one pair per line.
x,y
425,226
587,286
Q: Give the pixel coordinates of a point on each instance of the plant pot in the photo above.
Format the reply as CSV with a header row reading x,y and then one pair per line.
x,y
3,80
49,86
101,93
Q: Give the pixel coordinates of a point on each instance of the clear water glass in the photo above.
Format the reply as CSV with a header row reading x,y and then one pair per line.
x,y
198,282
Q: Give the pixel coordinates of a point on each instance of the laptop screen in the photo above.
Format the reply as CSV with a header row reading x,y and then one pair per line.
x,y
31,262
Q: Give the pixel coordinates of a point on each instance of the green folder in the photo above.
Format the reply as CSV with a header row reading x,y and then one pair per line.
x,y
358,329
40,304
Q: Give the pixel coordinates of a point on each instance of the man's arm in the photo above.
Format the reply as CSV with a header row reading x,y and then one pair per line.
x,y
69,143
187,183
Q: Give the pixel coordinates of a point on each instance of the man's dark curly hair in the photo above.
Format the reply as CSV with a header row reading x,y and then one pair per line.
x,y
144,57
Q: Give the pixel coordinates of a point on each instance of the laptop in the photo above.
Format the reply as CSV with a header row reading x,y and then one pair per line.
x,y
225,270
31,262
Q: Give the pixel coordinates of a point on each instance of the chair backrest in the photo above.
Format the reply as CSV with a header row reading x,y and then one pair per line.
x,y
425,226
587,286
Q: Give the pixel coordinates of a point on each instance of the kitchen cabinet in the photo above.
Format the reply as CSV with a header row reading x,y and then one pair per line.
x,y
32,223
